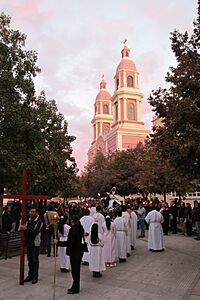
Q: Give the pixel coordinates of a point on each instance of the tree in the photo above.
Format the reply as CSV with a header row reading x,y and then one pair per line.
x,y
95,177
33,134
179,107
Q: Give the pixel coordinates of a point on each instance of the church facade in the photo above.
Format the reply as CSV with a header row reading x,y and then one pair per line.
x,y
117,122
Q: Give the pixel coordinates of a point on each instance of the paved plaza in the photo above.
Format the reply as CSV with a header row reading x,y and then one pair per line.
x,y
173,274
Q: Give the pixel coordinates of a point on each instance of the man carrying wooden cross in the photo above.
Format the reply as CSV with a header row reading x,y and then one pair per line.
x,y
32,230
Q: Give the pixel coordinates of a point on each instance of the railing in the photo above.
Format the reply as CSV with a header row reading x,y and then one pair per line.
x,y
9,244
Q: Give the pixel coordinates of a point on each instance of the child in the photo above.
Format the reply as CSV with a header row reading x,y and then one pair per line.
x,y
63,230
97,262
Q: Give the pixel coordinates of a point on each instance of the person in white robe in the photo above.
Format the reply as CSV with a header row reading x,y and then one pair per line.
x,y
155,237
87,221
109,239
99,218
121,236
97,262
134,220
126,216
63,230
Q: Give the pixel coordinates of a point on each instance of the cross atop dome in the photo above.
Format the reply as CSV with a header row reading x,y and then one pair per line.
x,y
103,83
125,51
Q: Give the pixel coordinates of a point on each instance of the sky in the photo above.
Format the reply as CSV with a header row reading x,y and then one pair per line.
x,y
78,41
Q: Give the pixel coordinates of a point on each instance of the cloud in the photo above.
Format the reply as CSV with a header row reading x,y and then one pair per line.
x,y
78,41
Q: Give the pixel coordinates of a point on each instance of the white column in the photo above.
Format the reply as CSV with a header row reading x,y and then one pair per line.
x,y
101,107
125,109
125,79
119,110
96,131
138,110
101,128
119,141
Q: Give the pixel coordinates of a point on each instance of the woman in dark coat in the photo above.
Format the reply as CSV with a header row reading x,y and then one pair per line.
x,y
187,219
75,252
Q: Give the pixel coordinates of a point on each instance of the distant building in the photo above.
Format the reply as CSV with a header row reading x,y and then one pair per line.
x,y
117,121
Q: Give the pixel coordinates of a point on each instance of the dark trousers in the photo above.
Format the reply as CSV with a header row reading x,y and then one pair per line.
x,y
75,262
33,261
174,225
49,238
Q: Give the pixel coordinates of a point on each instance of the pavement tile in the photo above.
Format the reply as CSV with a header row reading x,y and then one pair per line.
x,y
170,275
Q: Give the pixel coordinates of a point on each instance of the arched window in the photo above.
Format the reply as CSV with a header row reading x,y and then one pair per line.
x,y
105,108
117,83
116,112
131,111
130,81
105,129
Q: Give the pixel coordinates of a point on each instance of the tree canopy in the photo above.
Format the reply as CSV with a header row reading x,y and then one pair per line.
x,y
33,134
179,106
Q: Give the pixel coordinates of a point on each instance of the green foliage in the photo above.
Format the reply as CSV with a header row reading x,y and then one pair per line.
x,y
179,106
33,134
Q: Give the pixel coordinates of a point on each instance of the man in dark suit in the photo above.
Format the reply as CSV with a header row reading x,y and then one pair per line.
x,y
32,237
75,252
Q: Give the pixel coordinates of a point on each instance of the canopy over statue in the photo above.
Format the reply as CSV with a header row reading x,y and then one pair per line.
x,y
113,199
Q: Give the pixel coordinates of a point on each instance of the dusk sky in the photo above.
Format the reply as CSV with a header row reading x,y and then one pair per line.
x,y
78,41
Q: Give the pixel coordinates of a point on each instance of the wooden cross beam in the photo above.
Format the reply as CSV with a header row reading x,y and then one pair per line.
x,y
24,197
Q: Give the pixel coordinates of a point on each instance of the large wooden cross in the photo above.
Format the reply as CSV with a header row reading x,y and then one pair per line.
x,y
23,197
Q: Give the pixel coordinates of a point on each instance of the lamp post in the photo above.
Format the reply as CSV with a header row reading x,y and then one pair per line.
x,y
55,221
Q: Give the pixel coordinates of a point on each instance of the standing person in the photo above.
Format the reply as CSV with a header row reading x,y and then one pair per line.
x,y
180,216
196,218
165,212
121,236
97,262
127,217
48,218
32,241
174,212
155,238
134,220
109,238
75,252
86,222
99,218
63,231
187,219
141,214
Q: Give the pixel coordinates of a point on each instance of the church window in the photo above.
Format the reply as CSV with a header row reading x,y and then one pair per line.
x,y
130,81
131,111
105,129
116,111
117,83
105,109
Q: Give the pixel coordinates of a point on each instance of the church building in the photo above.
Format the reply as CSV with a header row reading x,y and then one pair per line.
x,y
117,123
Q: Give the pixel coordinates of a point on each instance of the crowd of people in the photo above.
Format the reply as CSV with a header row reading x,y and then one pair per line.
x,y
109,232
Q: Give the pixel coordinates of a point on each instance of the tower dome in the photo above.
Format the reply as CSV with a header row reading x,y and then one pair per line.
x,y
103,94
126,74
126,62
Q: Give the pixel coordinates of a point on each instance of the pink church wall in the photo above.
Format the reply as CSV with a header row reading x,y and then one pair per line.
x,y
121,79
98,128
90,156
112,144
99,108
122,108
131,141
